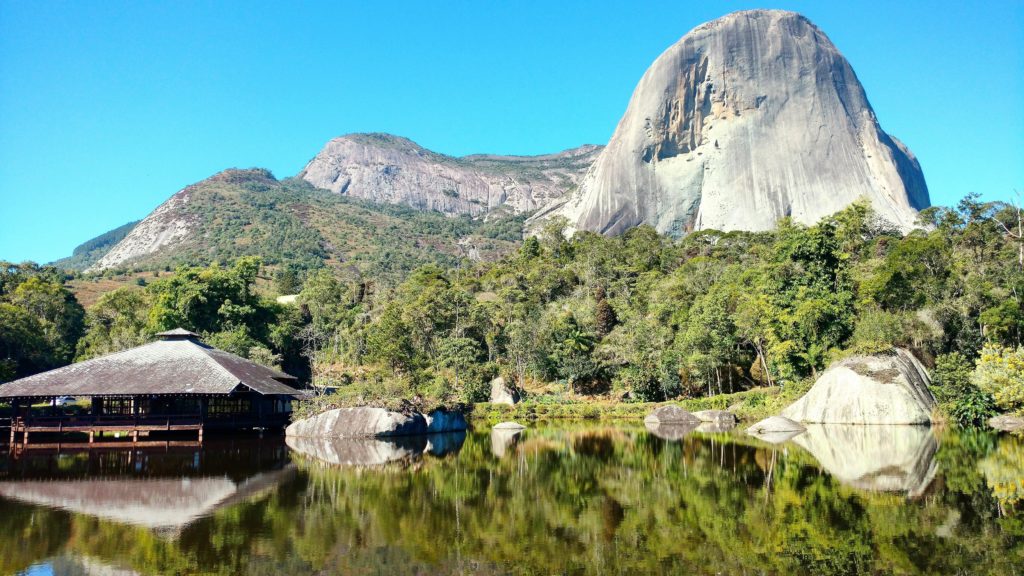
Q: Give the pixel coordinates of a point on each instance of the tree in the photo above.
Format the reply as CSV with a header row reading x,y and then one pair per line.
x,y
117,321
1000,372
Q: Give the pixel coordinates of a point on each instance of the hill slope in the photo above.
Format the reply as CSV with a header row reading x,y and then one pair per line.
x,y
90,251
747,119
249,212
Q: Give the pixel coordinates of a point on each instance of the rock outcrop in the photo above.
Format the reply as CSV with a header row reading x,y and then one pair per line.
x,y
502,393
880,389
776,429
358,423
440,421
395,170
671,415
1007,423
874,458
747,119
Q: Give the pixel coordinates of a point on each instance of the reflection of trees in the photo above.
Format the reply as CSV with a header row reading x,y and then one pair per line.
x,y
1004,473
573,502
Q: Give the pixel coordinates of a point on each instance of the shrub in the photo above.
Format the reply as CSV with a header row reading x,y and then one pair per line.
x,y
962,400
1000,372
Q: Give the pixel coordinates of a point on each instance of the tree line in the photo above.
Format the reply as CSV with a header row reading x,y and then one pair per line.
x,y
641,316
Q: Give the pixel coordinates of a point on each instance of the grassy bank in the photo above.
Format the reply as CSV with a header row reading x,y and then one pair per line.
x,y
750,405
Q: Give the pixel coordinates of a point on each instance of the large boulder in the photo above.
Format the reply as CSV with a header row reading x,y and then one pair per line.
x,y
1007,423
889,388
359,422
776,429
445,421
671,415
718,417
502,393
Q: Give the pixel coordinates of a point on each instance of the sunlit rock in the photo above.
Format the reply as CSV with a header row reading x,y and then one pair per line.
x,y
775,429
359,422
1007,423
359,451
889,388
671,414
875,458
721,418
502,393
509,426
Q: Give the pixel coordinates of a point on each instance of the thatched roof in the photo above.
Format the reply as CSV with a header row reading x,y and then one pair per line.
x,y
177,364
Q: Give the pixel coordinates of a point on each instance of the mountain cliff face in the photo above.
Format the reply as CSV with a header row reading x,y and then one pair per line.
x,y
394,170
747,119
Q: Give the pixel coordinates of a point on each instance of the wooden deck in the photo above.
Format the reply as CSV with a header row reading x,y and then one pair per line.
x,y
22,429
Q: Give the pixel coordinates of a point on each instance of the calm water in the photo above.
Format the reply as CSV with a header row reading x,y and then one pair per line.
x,y
553,500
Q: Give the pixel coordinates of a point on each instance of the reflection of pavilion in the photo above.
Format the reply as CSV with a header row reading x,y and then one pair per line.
x,y
159,490
876,458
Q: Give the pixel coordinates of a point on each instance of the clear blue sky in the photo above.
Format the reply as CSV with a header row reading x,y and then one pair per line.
x,y
107,108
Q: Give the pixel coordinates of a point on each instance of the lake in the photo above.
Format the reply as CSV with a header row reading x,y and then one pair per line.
x,y
555,499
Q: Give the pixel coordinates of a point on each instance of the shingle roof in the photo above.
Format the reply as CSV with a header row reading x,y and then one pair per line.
x,y
172,366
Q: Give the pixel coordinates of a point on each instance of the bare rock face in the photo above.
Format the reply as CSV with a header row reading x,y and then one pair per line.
x,y
502,393
747,119
362,422
878,389
395,170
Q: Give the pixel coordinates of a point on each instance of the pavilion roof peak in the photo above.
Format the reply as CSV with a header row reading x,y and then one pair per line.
x,y
178,334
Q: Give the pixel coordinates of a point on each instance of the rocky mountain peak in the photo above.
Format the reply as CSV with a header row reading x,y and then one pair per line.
x,y
747,119
396,170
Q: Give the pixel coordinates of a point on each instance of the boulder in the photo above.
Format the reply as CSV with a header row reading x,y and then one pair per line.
x,y
775,429
874,458
715,427
1007,423
671,414
359,451
888,388
509,426
719,417
445,421
502,393
359,422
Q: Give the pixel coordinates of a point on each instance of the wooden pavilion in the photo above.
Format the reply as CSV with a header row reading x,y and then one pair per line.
x,y
174,384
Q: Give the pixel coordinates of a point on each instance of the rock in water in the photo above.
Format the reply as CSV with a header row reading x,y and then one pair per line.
x,y
362,422
671,415
747,119
879,389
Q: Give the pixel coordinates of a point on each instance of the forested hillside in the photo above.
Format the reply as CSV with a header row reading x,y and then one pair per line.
x,y
635,317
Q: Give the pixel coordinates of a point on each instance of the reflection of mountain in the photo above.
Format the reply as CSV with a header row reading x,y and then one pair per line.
x,y
875,458
165,490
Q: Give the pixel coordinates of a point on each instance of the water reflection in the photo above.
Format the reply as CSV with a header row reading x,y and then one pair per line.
x,y
671,431
555,500
875,458
376,451
504,440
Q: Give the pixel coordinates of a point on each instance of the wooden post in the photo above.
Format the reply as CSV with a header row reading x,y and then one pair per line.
x,y
200,433
92,436
135,435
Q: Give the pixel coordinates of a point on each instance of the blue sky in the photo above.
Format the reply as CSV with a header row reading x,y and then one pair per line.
x,y
107,108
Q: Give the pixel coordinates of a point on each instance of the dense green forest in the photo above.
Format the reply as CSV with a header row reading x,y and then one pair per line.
x,y
637,317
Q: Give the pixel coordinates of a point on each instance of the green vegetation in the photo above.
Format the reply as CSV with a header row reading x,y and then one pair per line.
x,y
40,320
636,318
87,253
574,500
291,224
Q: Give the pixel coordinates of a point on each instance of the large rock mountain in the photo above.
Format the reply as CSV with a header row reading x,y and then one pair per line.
x,y
364,196
395,170
747,119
